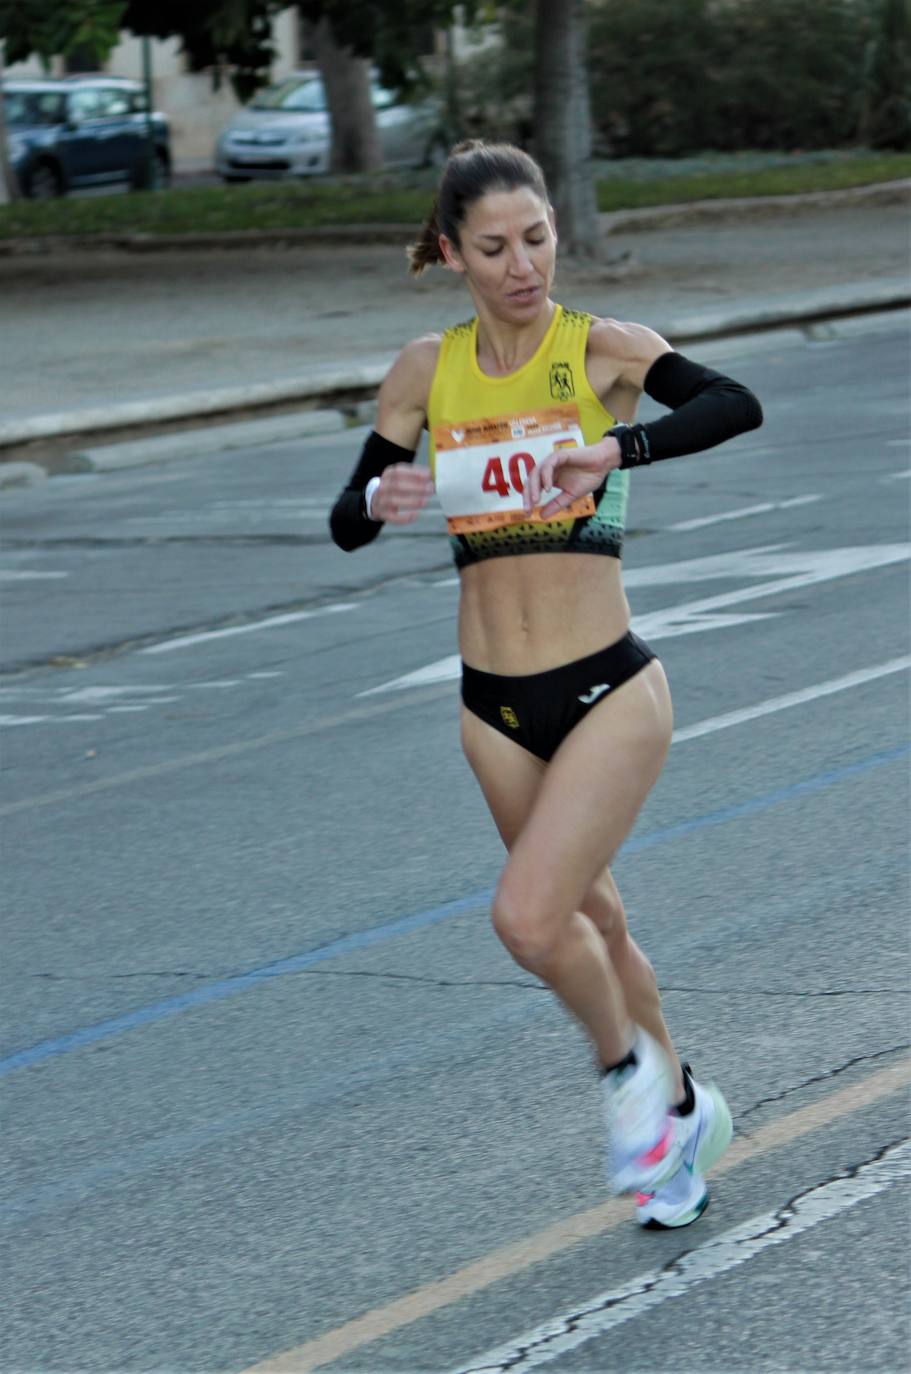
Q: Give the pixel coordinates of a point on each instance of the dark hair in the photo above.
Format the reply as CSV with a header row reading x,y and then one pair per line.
x,y
472,169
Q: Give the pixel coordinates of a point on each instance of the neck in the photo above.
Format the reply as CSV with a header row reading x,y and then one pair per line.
x,y
503,346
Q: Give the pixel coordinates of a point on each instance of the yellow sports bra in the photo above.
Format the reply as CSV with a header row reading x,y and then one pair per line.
x,y
487,432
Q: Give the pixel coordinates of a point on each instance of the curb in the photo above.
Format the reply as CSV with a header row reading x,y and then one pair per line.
x,y
356,378
612,221
21,475
196,443
359,380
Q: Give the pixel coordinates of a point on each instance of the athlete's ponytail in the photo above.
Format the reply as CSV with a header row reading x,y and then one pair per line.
x,y
472,169
425,251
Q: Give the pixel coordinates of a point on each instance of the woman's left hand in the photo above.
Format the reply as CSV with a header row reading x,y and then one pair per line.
x,y
575,471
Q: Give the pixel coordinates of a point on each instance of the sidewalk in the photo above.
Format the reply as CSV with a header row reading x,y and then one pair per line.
x,y
163,334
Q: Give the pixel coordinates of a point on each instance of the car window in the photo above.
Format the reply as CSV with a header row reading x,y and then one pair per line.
x,y
112,101
34,107
305,96
138,102
84,104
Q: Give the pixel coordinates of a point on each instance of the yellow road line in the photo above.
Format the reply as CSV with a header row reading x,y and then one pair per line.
x,y
512,1259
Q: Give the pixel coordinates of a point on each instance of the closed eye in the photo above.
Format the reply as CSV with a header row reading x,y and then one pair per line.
x,y
493,252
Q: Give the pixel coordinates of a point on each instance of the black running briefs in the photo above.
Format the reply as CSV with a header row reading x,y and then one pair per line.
x,y
538,710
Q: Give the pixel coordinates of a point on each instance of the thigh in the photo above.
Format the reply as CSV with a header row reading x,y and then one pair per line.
x,y
590,794
508,775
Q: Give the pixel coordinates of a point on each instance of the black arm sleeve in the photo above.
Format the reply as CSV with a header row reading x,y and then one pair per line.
x,y
708,408
348,520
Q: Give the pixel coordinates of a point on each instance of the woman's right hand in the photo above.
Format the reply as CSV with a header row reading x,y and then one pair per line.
x,y
402,494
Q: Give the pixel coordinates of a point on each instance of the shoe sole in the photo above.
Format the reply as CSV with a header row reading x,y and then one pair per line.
x,y
718,1137
686,1219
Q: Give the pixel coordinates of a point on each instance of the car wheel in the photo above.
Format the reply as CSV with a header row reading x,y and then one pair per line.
x,y
162,170
43,182
233,180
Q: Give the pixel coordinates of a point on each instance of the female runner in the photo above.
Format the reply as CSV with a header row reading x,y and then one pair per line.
x,y
566,715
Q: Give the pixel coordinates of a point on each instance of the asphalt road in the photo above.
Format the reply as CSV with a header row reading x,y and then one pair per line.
x,y
266,1069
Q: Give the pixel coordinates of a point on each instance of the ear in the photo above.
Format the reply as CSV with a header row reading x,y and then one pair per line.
x,y
451,256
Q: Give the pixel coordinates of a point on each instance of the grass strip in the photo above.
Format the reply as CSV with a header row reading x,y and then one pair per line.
x,y
405,200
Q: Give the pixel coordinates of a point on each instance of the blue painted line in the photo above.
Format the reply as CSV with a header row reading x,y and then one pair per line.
x,y
459,1043
348,944
240,982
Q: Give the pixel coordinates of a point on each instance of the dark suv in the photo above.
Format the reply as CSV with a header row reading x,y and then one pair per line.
x,y
74,132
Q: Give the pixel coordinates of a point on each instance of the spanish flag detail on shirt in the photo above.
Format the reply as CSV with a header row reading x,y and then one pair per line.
x,y
487,433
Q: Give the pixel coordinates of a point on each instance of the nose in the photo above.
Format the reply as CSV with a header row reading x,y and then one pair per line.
x,y
520,264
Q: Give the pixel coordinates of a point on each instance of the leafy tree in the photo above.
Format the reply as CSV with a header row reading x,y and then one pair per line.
x,y
224,35
388,34
221,34
887,95
56,27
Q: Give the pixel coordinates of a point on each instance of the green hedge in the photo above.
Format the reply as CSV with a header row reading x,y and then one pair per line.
x,y
406,199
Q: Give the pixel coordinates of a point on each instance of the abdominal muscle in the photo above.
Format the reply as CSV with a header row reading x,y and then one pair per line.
x,y
527,613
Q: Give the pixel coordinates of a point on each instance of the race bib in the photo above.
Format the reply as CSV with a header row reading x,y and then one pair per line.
x,y
482,467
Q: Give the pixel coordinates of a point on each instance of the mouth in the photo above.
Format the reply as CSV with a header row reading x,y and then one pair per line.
x,y
523,295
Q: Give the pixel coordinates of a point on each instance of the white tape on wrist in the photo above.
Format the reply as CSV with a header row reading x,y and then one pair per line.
x,y
369,493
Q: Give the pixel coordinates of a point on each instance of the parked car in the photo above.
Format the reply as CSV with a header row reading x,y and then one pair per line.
x,y
70,132
285,132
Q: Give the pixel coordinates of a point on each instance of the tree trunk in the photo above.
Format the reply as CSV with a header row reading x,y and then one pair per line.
x,y
562,123
9,186
355,141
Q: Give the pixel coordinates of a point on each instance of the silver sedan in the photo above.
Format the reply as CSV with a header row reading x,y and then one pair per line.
x,y
285,132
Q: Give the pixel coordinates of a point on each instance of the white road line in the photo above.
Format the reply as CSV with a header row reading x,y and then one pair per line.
x,y
717,1256
773,704
98,695
26,576
790,569
168,645
762,509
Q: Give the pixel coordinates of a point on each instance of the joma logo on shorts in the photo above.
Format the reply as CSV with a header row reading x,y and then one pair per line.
x,y
509,717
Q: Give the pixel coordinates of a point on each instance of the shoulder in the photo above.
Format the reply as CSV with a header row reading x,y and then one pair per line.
x,y
618,356
626,342
411,375
405,392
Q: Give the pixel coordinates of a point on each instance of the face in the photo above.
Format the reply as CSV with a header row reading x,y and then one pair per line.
x,y
506,253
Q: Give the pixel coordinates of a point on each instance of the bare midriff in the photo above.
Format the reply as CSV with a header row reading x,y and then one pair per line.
x,y
526,614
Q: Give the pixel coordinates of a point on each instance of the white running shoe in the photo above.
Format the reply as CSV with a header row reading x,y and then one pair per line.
x,y
642,1137
678,1201
702,1136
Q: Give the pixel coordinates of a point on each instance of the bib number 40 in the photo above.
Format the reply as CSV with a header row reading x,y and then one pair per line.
x,y
494,479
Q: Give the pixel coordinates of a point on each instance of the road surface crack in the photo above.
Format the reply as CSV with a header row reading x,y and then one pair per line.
x,y
784,992
818,1078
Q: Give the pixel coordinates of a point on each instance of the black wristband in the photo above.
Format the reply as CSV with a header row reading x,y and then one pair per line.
x,y
634,446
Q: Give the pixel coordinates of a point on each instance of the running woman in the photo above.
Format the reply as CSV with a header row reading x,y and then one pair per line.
x,y
566,715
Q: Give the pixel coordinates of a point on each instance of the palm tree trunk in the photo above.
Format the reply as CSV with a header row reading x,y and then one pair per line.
x,y
9,186
355,141
562,123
